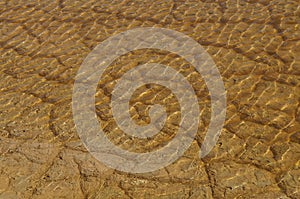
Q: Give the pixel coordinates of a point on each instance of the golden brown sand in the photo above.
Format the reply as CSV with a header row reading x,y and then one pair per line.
x,y
255,45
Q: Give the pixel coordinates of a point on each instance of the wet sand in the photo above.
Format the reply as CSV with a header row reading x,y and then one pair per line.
x,y
256,47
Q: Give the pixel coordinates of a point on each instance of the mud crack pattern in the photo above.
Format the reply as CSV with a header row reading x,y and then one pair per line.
x,y
256,47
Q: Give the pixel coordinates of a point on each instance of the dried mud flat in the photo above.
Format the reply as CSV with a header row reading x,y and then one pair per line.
x,y
256,47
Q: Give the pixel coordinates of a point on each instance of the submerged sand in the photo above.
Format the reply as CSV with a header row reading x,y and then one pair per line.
x,y
256,47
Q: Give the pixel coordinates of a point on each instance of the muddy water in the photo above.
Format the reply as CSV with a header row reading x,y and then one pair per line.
x,y
255,45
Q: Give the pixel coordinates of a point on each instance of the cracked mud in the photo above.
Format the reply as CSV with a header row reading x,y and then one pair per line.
x,y
256,47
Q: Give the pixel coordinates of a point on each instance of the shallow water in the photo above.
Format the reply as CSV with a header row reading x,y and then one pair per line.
x,y
256,47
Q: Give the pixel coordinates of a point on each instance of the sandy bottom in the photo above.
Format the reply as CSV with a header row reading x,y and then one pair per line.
x,y
256,47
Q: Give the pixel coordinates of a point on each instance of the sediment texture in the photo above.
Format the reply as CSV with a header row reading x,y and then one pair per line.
x,y
255,45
